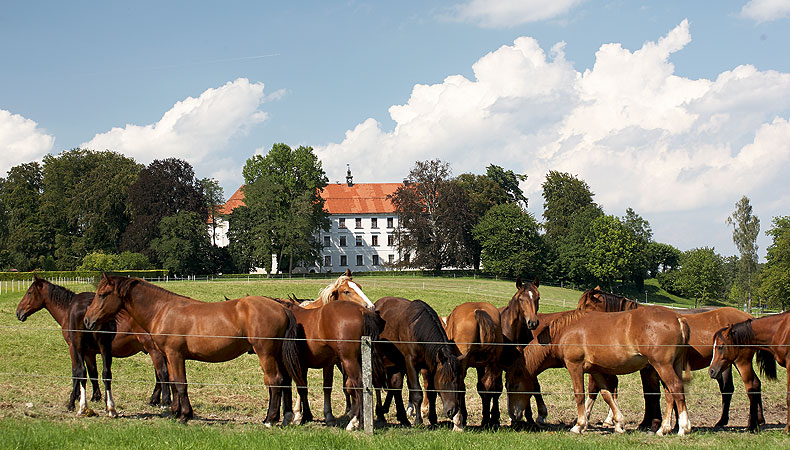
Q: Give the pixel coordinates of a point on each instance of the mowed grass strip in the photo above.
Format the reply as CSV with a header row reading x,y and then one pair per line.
x,y
230,398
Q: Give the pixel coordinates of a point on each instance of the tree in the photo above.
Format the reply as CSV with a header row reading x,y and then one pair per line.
x,y
165,188
433,214
26,242
662,258
509,182
483,193
183,246
611,249
214,198
83,202
700,275
247,243
642,234
283,192
746,228
775,276
564,197
511,243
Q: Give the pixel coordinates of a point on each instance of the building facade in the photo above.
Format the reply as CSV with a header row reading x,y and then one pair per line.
x,y
361,235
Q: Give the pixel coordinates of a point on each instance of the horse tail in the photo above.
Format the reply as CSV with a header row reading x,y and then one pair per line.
x,y
373,325
486,326
685,333
767,364
291,350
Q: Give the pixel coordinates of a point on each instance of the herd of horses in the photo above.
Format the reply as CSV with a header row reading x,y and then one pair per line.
x,y
605,336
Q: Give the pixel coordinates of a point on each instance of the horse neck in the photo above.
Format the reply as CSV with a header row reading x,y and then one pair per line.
x,y
143,306
766,329
59,311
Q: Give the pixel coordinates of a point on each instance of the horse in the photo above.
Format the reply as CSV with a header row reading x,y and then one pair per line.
x,y
476,330
344,288
703,324
769,336
417,341
120,338
330,335
614,344
184,328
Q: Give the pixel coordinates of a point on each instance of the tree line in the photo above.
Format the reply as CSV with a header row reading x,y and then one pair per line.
x,y
101,210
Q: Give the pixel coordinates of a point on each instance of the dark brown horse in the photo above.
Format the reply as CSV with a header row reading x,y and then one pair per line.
x,y
120,338
327,336
768,336
614,344
420,342
703,324
184,328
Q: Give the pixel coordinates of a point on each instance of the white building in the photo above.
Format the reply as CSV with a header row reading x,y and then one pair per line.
x,y
361,235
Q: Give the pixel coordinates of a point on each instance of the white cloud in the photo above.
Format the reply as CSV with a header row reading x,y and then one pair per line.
x,y
508,13
639,134
766,10
194,129
21,141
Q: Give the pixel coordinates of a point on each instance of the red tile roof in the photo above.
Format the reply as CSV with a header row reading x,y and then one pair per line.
x,y
360,198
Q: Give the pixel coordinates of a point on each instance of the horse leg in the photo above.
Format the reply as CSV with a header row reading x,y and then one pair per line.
x,y
611,400
495,386
726,388
787,399
612,383
670,375
577,377
162,388
78,374
651,385
93,375
181,406
353,385
425,403
540,405
105,346
395,394
328,380
485,397
430,400
753,391
594,389
279,386
415,392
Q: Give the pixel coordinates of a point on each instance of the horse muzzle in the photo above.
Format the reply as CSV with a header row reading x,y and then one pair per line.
x,y
532,324
89,324
21,316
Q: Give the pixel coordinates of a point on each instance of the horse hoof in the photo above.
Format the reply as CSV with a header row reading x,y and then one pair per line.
x,y
353,424
787,429
576,429
458,424
619,429
112,413
288,418
410,411
541,421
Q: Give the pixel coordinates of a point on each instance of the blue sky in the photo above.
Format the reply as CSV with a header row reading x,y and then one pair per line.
x,y
674,108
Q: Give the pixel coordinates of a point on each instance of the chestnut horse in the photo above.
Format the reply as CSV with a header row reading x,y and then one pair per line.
x,y
703,324
420,342
614,344
769,336
326,336
120,338
344,288
184,328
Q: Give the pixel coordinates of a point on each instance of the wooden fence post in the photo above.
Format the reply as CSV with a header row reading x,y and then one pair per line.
x,y
367,385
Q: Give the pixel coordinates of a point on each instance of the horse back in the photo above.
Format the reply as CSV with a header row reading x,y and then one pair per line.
x,y
476,322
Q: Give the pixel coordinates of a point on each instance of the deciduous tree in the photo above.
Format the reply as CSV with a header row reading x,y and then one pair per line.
x,y
775,276
512,245
746,228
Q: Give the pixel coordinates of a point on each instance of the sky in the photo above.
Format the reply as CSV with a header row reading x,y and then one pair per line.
x,y
676,109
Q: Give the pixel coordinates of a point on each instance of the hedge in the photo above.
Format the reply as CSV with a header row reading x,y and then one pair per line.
x,y
95,274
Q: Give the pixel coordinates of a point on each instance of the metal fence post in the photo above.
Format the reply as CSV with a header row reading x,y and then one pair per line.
x,y
367,385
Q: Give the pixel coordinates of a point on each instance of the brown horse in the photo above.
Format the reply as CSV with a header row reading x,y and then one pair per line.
x,y
420,342
614,344
768,336
476,329
120,338
703,324
184,328
344,288
327,336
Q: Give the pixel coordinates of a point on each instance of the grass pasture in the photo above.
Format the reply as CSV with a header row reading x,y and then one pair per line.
x,y
229,398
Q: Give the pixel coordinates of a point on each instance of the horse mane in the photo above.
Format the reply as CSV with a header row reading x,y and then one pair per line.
x,y
741,333
326,292
125,283
60,296
534,355
560,323
428,330
611,302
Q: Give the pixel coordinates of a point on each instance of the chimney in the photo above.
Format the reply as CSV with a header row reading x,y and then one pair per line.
x,y
349,178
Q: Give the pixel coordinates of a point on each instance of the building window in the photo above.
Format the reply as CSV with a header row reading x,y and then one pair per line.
x,y
374,241
391,259
359,241
359,260
391,240
328,260
358,222
343,260
407,258
390,222
327,241
374,223
342,241
375,260
341,223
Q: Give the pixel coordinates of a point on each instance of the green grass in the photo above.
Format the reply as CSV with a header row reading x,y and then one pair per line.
x,y
230,400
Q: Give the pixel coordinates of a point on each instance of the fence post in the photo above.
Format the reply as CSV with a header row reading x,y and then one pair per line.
x,y
367,385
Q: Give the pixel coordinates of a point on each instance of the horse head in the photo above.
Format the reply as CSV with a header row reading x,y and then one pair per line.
x,y
448,379
108,300
726,346
33,299
344,288
527,299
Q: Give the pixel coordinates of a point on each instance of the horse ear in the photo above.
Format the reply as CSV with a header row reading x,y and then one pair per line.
x,y
536,282
597,288
348,273
518,282
226,298
35,277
